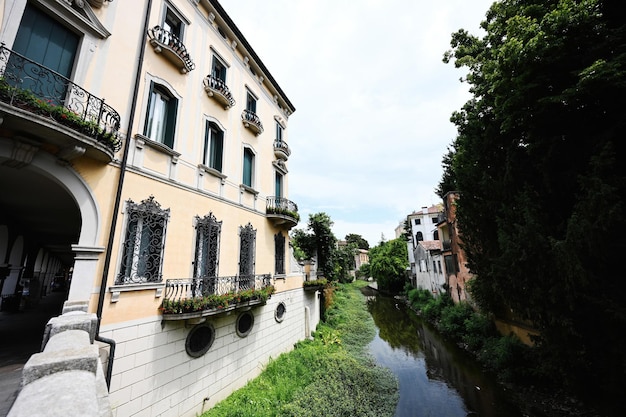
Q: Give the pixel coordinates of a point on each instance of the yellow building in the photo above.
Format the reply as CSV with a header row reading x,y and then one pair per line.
x,y
144,162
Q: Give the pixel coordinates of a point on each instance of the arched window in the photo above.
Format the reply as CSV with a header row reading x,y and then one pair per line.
x,y
419,236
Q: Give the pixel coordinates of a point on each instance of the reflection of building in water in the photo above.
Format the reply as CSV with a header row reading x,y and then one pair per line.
x,y
445,363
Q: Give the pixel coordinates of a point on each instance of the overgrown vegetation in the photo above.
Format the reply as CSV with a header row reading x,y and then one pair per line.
x,y
505,356
388,265
331,375
538,163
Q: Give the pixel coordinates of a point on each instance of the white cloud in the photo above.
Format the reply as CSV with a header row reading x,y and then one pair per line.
x,y
373,100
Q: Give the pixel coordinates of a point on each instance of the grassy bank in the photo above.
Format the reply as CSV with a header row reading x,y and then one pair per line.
x,y
331,375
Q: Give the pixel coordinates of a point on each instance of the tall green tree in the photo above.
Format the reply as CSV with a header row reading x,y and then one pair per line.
x,y
318,240
388,264
358,240
537,162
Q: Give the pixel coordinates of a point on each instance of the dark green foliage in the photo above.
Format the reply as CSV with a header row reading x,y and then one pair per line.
x,y
358,240
537,161
388,264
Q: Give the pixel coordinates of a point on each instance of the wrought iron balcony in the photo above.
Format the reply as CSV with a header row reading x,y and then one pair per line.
x,y
217,89
200,297
252,122
168,44
281,149
282,212
41,102
446,245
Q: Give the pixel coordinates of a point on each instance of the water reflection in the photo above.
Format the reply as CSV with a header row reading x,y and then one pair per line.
x,y
436,378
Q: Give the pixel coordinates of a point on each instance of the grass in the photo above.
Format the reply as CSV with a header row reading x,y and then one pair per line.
x,y
331,375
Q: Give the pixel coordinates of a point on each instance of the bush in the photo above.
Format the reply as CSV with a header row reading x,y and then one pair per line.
x,y
452,320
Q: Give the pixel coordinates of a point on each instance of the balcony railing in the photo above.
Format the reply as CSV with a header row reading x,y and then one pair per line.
x,y
200,297
31,87
171,47
281,211
446,245
217,89
252,121
281,149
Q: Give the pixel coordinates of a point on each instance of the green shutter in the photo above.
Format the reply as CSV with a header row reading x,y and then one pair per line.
x,y
170,122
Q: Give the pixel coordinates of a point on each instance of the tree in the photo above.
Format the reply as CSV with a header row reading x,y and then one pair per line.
x,y
537,162
360,242
343,262
388,264
319,241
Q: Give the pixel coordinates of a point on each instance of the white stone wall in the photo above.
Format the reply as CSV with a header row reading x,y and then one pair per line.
x,y
153,375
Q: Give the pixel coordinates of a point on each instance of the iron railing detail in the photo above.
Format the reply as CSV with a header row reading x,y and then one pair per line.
x,y
247,241
250,119
160,37
280,205
281,146
214,85
181,289
27,85
144,243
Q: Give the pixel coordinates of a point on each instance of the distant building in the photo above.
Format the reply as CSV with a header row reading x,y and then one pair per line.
x,y
429,273
455,263
422,227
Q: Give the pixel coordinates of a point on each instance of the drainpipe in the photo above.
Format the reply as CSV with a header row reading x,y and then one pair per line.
x,y
118,198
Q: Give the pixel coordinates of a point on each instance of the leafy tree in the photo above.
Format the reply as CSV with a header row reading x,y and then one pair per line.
x,y
318,241
388,264
360,242
343,262
537,162
304,244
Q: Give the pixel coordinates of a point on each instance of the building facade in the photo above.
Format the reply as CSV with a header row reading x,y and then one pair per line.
x,y
429,273
422,226
455,263
144,169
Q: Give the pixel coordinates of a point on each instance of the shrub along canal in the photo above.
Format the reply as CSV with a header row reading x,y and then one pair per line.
x,y
435,377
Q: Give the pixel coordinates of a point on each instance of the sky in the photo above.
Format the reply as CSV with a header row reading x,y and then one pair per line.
x,y
373,101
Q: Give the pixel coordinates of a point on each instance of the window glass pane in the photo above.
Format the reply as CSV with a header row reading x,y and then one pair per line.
x,y
157,114
173,24
219,70
251,103
248,159
279,185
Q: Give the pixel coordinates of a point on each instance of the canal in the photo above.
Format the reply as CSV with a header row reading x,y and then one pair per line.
x,y
436,378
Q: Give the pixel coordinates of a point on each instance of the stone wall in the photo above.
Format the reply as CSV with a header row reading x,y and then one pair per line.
x,y
154,376
66,378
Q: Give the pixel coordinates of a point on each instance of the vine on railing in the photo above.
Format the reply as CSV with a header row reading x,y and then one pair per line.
x,y
30,86
280,205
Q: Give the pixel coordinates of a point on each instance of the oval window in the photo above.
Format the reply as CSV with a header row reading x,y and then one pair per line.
x,y
279,314
244,324
199,340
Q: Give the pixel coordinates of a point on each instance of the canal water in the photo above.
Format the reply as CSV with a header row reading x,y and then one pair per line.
x,y
436,378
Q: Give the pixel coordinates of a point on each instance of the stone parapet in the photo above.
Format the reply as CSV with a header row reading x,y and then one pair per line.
x,y
66,378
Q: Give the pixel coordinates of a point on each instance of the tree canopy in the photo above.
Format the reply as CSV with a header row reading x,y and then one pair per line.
x,y
388,264
537,163
358,240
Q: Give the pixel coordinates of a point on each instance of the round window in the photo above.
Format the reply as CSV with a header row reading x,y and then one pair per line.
x,y
279,314
245,321
199,340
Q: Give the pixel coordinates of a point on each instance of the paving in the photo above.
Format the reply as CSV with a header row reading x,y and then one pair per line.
x,y
21,334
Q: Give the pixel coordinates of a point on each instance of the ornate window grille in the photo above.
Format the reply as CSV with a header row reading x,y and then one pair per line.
x,y
279,260
208,231
247,241
144,243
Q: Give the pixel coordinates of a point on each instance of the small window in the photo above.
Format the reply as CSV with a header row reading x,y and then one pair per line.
x,y
251,103
244,324
419,236
144,242
173,24
248,167
278,186
161,115
417,221
199,340
279,132
279,314
218,69
279,257
440,270
213,146
434,219
436,235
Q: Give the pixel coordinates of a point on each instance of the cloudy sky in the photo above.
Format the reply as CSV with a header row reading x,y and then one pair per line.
x,y
373,100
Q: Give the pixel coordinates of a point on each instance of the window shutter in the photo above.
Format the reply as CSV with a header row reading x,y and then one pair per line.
x,y
170,122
